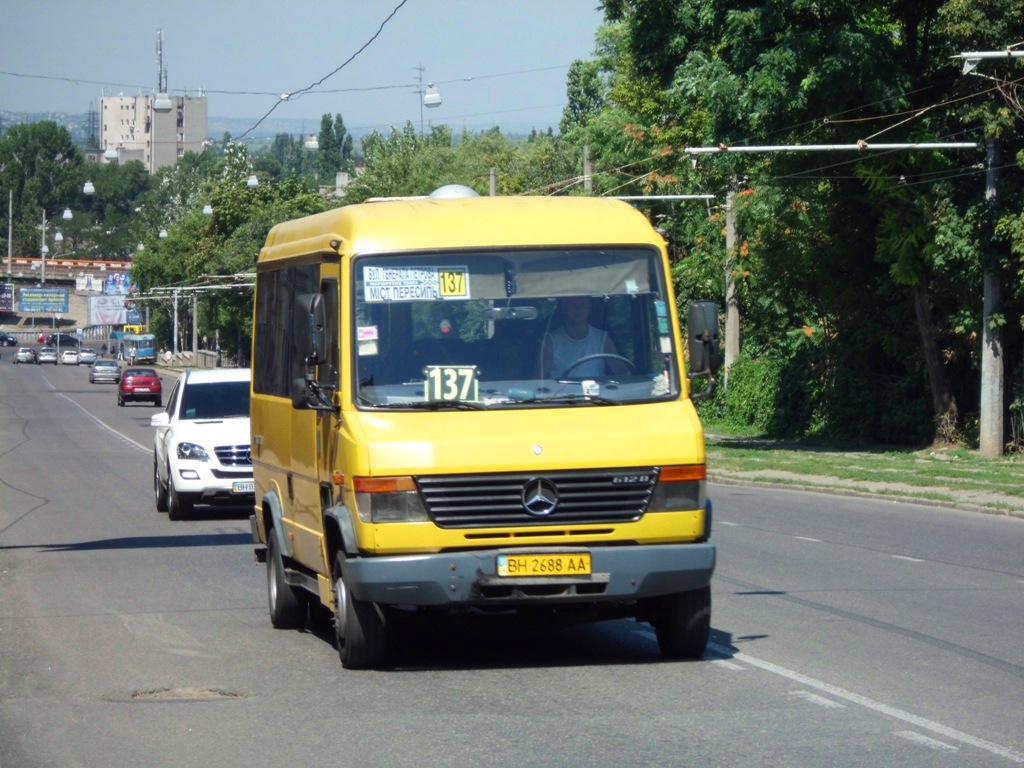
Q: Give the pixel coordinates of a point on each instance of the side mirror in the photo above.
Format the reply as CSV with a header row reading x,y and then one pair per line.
x,y
311,324
310,318
703,336
159,420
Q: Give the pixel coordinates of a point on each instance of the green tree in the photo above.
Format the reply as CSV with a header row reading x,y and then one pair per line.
x,y
334,153
43,168
850,254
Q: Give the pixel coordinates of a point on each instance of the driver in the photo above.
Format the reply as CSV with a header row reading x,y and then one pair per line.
x,y
575,339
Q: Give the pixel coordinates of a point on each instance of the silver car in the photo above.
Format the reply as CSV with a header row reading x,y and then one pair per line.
x,y
105,370
46,355
25,355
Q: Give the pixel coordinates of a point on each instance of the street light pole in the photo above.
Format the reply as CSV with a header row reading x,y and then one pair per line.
x,y
10,235
43,250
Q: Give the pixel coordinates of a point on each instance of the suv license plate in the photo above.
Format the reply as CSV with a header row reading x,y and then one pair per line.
x,y
242,486
550,564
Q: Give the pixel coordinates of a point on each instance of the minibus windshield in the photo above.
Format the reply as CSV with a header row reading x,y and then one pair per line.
x,y
527,328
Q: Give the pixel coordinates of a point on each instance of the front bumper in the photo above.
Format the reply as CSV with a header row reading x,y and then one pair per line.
x,y
470,578
207,488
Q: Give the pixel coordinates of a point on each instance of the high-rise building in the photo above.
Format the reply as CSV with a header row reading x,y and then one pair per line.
x,y
156,128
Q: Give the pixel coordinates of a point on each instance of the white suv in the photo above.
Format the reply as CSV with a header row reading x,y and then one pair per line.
x,y
201,444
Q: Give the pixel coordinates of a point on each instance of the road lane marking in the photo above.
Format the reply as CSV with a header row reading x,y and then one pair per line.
x,y
729,665
106,426
924,741
908,559
814,698
875,706
808,538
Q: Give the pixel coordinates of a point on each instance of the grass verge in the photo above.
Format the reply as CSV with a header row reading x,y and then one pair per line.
x,y
947,476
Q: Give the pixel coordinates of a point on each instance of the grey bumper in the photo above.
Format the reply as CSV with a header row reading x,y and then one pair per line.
x,y
470,578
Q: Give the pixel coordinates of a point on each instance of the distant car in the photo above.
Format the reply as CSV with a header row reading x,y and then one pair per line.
x,y
69,357
46,355
61,340
105,370
42,337
6,340
201,449
25,355
139,384
87,356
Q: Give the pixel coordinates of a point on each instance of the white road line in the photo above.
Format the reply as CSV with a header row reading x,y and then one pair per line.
x,y
725,522
106,426
908,559
924,741
729,665
875,706
814,698
808,538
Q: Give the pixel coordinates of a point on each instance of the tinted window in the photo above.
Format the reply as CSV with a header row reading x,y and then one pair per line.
x,y
280,340
215,400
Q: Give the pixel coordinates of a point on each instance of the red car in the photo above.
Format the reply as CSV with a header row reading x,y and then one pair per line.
x,y
139,384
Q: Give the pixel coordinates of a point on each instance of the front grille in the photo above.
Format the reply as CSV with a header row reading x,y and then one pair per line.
x,y
583,497
233,455
232,474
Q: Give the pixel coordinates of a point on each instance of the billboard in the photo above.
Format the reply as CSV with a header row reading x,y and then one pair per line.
x,y
117,284
47,300
107,310
7,297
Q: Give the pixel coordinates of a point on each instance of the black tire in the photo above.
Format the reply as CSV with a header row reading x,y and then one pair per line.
x,y
287,607
683,624
120,401
158,403
159,490
179,506
359,626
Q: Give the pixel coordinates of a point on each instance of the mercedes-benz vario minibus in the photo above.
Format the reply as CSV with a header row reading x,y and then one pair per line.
x,y
475,404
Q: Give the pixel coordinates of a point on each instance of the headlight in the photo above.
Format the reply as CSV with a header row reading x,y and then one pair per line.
x,y
679,488
388,500
193,452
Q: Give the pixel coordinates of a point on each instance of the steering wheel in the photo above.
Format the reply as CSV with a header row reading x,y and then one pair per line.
x,y
599,356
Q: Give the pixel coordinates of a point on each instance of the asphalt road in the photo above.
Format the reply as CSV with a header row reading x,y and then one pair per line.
x,y
846,632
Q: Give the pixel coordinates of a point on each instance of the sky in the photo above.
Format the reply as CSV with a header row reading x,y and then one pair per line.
x,y
494,62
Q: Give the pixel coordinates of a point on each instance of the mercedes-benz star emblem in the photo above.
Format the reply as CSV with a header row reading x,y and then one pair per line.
x,y
540,497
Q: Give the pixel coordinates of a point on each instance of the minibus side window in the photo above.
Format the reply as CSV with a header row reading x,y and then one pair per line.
x,y
280,352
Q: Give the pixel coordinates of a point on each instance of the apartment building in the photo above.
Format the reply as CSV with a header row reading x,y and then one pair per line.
x,y
155,128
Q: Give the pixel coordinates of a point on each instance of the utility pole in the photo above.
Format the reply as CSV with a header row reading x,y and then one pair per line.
x,y
732,307
991,416
588,172
732,303
10,235
990,438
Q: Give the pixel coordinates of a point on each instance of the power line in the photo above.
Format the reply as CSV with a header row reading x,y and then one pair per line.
x,y
286,96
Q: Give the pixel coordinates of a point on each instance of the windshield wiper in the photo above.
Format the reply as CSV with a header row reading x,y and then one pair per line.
x,y
567,398
426,405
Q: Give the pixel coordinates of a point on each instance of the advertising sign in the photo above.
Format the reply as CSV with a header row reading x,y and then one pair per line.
x,y
7,297
107,310
117,284
44,300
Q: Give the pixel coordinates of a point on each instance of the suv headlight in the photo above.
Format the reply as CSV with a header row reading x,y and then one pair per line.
x,y
192,452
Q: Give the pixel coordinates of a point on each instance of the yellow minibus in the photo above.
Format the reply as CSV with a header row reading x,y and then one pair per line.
x,y
465,404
